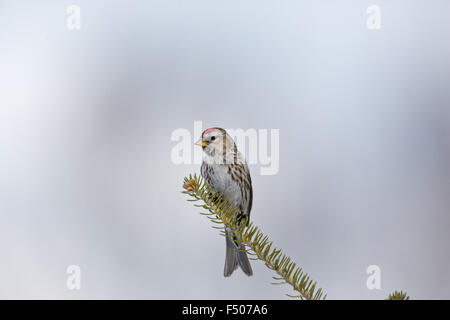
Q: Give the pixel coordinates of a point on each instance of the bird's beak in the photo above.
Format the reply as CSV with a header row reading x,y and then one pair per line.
x,y
201,143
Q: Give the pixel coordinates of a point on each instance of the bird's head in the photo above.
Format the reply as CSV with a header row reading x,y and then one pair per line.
x,y
211,137
215,142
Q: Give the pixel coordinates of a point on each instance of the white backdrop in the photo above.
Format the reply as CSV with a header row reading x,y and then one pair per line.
x,y
86,116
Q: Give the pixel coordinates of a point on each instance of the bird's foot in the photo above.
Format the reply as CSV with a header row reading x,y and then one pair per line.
x,y
214,196
240,217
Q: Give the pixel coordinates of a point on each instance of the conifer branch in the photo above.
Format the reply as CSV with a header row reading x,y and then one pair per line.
x,y
221,212
396,295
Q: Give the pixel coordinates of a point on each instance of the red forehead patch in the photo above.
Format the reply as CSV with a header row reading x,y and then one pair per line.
x,y
208,130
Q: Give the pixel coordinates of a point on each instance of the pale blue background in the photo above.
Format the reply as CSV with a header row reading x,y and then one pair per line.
x,y
85,124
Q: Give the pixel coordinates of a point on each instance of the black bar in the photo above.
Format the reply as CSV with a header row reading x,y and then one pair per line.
x,y
220,309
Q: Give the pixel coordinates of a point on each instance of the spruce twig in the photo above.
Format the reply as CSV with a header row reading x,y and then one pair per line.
x,y
220,211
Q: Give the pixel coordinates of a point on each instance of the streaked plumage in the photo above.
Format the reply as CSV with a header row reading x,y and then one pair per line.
x,y
225,170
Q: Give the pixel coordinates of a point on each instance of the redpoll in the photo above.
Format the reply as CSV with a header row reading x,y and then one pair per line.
x,y
225,170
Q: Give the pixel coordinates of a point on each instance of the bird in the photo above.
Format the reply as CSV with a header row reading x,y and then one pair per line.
x,y
225,171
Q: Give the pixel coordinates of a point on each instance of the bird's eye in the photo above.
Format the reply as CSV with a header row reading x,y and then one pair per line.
x,y
213,138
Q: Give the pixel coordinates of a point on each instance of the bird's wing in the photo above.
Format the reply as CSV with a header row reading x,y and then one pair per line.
x,y
241,176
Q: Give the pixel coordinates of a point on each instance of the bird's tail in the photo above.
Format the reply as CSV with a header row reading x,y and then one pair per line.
x,y
235,255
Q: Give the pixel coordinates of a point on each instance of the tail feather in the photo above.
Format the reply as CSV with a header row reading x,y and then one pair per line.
x,y
235,255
